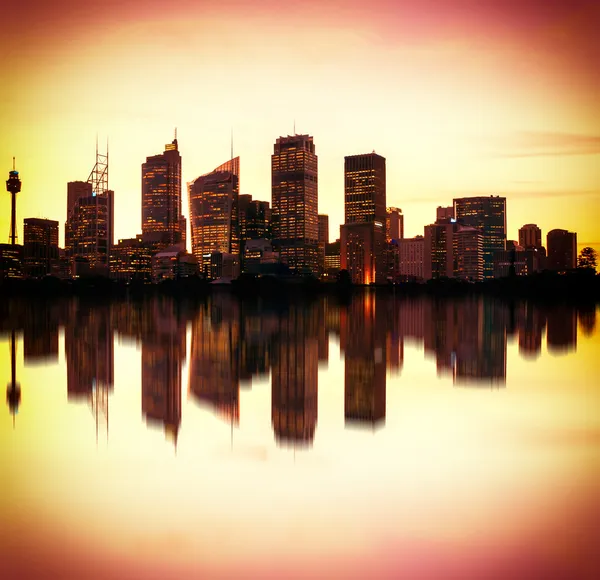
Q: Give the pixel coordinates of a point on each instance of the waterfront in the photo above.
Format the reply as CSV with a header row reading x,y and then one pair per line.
x,y
224,439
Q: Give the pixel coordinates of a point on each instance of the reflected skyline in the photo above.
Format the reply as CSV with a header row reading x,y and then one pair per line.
x,y
235,342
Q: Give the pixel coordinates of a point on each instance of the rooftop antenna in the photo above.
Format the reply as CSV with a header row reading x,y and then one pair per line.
x,y
175,133
14,163
294,126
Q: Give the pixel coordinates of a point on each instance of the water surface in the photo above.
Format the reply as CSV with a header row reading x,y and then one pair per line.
x,y
377,438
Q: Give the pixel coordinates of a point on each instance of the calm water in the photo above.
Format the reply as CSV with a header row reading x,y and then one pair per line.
x,y
377,439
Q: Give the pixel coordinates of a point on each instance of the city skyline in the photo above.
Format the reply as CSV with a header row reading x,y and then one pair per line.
x,y
471,99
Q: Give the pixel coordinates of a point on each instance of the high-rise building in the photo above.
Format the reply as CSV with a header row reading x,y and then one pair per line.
x,y
438,252
214,199
394,224
40,247
411,258
244,201
332,259
162,221
90,224
562,250
294,181
530,236
468,248
363,233
258,220
489,215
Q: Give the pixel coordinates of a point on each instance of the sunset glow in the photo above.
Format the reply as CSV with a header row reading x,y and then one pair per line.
x,y
462,97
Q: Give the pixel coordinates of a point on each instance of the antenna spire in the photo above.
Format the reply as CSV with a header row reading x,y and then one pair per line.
x,y
294,126
175,133
13,163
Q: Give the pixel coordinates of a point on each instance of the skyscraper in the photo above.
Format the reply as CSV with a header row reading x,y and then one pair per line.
x,y
489,215
530,236
90,218
363,233
40,248
562,250
214,201
294,181
394,224
162,221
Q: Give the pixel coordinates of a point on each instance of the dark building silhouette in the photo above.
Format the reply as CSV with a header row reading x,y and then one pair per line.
x,y
489,215
40,246
295,376
562,250
363,235
162,221
294,179
530,236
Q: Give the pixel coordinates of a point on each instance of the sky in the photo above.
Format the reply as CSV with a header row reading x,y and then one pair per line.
x,y
462,97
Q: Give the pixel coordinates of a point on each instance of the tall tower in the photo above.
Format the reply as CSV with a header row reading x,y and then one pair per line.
x,y
363,233
489,215
13,186
90,217
162,221
214,205
294,183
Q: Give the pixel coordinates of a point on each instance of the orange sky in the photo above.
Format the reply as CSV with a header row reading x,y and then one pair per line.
x,y
462,97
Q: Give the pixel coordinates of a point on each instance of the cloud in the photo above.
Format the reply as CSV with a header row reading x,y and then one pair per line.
x,y
544,143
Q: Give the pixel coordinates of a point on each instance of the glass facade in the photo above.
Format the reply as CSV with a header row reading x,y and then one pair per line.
x,y
489,215
214,199
295,222
162,220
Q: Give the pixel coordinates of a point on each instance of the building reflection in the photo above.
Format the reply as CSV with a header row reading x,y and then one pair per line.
x,y
235,341
561,333
89,353
214,365
294,379
363,340
163,353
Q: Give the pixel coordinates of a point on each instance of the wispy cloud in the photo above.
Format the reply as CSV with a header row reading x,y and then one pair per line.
x,y
543,143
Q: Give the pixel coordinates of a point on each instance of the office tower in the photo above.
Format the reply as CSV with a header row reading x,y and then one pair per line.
x,y
131,259
323,240
363,233
332,259
90,224
412,257
468,247
489,215
438,250
294,181
214,201
258,220
363,341
162,221
530,236
444,213
394,224
294,376
40,246
562,250
244,201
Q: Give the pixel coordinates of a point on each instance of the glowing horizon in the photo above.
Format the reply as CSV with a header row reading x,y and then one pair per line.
x,y
461,98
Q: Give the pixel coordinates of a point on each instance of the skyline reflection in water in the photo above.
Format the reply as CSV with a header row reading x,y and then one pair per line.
x,y
355,385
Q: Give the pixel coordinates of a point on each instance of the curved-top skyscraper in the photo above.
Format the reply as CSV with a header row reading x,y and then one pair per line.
x,y
214,199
